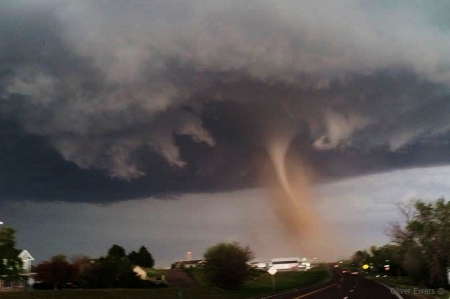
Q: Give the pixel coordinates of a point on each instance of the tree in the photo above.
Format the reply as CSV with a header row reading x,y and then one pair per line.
x,y
360,257
385,259
56,271
116,251
112,271
142,258
109,272
7,237
226,264
81,261
425,241
10,263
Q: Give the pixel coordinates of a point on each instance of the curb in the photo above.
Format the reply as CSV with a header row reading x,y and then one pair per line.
x,y
392,290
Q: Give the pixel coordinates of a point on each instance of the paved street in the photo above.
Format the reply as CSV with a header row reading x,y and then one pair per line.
x,y
178,278
342,287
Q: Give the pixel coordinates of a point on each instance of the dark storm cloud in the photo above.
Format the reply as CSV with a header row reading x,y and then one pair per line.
x,y
104,100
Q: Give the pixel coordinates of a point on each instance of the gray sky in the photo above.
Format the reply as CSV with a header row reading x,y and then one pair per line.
x,y
157,113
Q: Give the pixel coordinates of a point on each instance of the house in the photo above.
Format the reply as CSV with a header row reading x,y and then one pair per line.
x,y
26,272
27,259
187,264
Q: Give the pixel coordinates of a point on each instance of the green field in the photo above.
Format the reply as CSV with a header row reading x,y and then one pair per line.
x,y
260,285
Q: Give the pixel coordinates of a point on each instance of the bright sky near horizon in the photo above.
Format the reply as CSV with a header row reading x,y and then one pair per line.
x,y
358,210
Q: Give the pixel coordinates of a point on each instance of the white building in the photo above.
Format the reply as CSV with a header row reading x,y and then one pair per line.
x,y
26,272
286,263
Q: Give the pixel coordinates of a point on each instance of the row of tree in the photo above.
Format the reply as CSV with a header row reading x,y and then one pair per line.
x,y
114,270
420,245
385,259
226,266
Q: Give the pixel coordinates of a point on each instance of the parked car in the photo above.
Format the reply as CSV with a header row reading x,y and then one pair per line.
x,y
67,286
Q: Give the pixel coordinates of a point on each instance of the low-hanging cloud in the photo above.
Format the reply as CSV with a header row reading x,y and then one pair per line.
x,y
112,85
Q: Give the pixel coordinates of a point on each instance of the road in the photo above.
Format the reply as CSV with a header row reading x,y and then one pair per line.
x,y
178,278
342,286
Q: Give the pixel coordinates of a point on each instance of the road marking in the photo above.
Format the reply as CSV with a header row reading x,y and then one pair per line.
x,y
351,291
310,293
356,284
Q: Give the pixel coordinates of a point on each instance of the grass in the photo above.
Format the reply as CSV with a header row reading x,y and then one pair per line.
x,y
258,286
155,273
262,282
404,283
